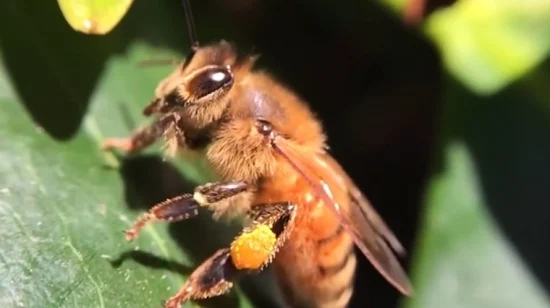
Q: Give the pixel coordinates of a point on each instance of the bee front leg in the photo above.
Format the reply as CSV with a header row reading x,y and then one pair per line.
x,y
187,205
252,250
140,139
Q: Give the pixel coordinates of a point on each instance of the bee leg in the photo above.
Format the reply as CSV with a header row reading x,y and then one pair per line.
x,y
154,106
174,209
187,205
212,278
159,105
252,250
140,139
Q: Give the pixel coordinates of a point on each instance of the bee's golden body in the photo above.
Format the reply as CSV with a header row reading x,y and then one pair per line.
x,y
315,266
216,104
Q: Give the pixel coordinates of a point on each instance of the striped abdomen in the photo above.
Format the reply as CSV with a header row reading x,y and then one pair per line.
x,y
315,267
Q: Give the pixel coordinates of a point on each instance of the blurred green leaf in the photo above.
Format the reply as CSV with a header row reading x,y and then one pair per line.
x,y
94,16
485,231
483,239
486,44
463,259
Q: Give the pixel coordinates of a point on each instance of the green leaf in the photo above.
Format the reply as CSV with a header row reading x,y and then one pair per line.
x,y
484,225
464,260
487,44
484,228
63,215
62,212
94,16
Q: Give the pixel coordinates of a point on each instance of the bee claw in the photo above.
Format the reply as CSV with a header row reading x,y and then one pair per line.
x,y
173,302
130,234
123,144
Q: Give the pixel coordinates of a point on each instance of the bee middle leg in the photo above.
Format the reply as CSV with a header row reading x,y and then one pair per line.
x,y
252,250
186,206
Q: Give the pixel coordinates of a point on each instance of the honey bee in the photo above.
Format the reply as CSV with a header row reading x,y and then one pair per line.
x,y
270,152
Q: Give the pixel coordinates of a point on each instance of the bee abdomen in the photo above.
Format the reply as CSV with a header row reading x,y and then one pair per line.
x,y
320,276
336,268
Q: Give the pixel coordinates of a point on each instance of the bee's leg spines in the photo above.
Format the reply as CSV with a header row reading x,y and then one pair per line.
x,y
212,278
174,209
252,250
187,205
212,193
153,107
140,139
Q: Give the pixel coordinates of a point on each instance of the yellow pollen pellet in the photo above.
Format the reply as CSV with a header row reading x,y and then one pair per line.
x,y
252,249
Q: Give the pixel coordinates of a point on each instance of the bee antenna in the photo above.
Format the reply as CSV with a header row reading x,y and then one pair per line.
x,y
190,25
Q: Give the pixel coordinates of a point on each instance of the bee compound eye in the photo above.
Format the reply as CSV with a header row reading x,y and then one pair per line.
x,y
211,80
264,127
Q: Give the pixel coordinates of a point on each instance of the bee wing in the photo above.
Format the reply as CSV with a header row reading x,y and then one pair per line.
x,y
337,190
365,207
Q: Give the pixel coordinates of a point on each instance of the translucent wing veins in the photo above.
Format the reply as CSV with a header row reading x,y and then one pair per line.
x,y
331,184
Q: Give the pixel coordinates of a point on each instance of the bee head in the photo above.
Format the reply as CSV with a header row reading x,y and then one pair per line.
x,y
202,94
207,74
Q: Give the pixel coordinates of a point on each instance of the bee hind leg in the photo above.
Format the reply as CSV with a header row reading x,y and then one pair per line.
x,y
187,206
212,278
252,250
